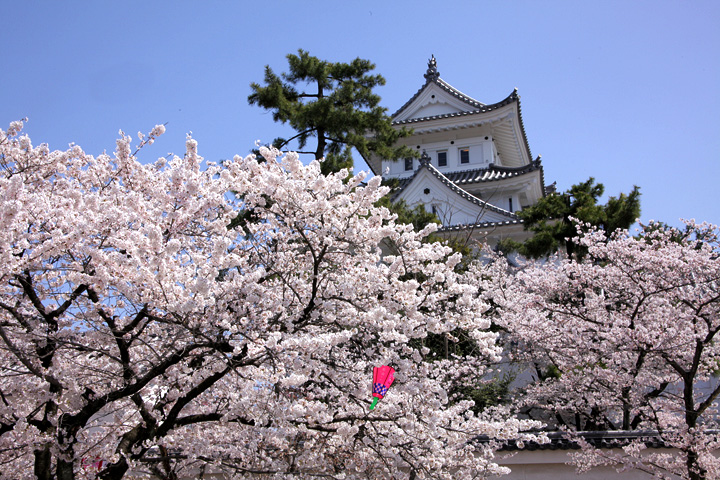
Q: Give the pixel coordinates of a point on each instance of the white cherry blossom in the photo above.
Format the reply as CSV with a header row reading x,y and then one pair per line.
x,y
627,340
145,323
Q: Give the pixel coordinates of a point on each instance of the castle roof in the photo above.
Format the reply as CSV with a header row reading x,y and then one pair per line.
x,y
433,76
598,439
479,225
479,107
426,165
492,173
465,178
473,197
465,108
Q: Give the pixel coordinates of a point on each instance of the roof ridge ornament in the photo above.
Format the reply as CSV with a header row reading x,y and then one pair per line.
x,y
432,73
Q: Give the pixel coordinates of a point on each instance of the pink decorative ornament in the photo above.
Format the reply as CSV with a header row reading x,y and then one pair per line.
x,y
92,463
383,377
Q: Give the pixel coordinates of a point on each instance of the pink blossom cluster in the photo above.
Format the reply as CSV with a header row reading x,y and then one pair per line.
x,y
625,340
185,317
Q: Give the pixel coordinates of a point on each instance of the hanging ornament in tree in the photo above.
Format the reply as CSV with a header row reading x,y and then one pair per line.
x,y
382,379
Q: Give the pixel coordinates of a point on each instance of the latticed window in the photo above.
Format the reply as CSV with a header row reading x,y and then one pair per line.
x,y
442,159
464,155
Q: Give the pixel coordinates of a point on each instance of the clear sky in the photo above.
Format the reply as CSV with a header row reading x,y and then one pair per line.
x,y
625,91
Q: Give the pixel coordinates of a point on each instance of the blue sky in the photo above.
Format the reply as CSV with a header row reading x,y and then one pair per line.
x,y
625,91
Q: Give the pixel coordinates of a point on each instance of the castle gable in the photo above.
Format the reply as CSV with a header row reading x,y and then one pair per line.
x,y
432,100
435,98
476,169
451,204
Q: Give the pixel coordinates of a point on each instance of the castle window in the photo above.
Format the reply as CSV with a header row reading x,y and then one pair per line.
x,y
442,159
408,164
465,155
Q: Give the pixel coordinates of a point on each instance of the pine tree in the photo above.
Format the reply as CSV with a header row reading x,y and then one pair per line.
x,y
338,109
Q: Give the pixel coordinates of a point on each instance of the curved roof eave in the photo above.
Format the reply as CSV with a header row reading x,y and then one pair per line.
x,y
424,164
473,226
492,173
482,175
479,109
444,86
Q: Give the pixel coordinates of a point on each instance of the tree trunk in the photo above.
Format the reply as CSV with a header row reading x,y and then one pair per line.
x,y
695,472
320,151
43,464
65,469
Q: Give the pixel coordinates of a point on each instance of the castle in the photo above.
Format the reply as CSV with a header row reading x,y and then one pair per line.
x,y
475,171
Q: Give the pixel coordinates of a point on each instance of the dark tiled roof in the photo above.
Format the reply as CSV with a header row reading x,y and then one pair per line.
x,y
443,85
603,439
475,226
491,173
425,164
522,127
479,107
482,175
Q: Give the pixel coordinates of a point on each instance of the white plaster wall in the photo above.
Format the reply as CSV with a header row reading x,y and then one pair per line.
x,y
552,465
481,155
451,208
433,109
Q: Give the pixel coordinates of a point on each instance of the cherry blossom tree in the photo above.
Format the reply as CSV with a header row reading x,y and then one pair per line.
x,y
140,333
627,339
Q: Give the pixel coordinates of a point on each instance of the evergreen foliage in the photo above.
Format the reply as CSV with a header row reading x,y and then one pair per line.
x,y
550,219
337,108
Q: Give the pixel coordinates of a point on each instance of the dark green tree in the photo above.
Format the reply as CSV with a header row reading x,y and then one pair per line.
x,y
551,224
333,103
